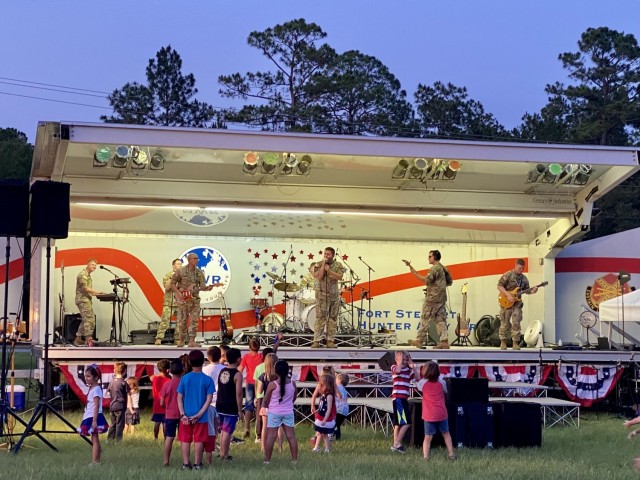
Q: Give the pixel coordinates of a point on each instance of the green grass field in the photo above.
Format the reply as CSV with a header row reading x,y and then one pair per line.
x,y
598,450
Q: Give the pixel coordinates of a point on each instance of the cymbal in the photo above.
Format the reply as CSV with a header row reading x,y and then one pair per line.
x,y
287,287
277,278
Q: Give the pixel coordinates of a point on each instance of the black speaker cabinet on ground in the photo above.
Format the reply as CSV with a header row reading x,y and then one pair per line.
x,y
14,199
70,326
518,424
465,390
480,425
50,211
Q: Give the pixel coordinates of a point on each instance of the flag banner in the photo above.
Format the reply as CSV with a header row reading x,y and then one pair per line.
x,y
587,384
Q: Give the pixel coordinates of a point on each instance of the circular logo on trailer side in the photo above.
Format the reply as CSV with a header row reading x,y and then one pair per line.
x,y
199,217
215,268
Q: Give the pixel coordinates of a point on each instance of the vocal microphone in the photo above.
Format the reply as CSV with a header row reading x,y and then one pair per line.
x,y
102,267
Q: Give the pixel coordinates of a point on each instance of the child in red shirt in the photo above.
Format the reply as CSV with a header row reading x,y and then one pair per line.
x,y
169,400
157,383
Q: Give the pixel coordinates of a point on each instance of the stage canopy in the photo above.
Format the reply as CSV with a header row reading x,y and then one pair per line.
x,y
281,185
622,308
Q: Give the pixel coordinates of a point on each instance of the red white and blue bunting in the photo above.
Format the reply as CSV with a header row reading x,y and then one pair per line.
x,y
588,384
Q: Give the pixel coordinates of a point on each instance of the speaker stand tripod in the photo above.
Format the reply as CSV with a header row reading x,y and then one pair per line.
x,y
44,406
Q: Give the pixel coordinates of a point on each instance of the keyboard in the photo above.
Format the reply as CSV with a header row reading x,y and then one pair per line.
x,y
120,281
107,297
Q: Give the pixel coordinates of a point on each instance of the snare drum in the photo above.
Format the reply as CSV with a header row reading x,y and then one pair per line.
x,y
293,308
309,317
272,322
307,296
259,302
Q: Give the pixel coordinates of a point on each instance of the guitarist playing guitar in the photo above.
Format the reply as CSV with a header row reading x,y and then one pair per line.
x,y
511,285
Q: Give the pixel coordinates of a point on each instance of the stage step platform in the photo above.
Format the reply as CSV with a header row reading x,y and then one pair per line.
x,y
305,339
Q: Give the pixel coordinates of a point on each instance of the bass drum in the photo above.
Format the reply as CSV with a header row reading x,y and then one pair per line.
x,y
307,296
309,317
273,322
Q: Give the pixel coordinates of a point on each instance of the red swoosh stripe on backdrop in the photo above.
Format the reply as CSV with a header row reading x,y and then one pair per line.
x,y
16,269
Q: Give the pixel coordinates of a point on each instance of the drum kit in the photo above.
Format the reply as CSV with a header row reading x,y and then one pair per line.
x,y
299,307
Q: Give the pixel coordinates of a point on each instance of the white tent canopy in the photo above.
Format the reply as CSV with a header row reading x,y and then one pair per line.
x,y
622,308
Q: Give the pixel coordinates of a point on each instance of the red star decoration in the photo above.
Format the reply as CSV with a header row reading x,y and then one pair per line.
x,y
293,259
284,251
320,252
257,254
270,294
266,251
301,252
249,250
310,256
345,257
274,256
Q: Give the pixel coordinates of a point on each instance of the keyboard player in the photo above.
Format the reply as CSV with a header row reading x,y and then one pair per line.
x,y
84,292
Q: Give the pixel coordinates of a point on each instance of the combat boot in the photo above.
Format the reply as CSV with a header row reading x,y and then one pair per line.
x,y
503,344
192,342
516,344
158,341
79,342
331,344
443,345
315,345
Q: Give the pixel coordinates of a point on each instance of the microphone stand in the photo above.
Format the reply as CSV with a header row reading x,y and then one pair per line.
x,y
113,334
368,291
352,285
286,293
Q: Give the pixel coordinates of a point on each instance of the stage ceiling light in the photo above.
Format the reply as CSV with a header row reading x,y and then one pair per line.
x,y
552,173
121,157
101,156
534,174
290,161
419,167
250,164
304,165
583,175
401,169
139,157
269,163
157,161
451,170
624,277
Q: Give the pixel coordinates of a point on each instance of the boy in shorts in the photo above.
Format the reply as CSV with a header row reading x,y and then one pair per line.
x,y
402,374
169,400
229,400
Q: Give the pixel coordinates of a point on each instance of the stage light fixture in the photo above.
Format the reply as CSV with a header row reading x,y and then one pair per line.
x,y
157,161
121,157
624,277
304,165
250,164
269,163
419,167
583,175
451,170
101,156
290,161
139,157
551,173
535,172
401,169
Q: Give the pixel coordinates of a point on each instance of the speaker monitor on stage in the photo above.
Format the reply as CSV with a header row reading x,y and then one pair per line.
x,y
603,343
14,197
70,326
386,361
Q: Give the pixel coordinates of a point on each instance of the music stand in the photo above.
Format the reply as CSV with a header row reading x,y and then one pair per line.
x,y
44,406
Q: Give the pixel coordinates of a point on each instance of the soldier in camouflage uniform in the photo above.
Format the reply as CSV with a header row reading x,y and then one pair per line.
x,y
84,291
433,308
327,274
188,281
511,318
169,305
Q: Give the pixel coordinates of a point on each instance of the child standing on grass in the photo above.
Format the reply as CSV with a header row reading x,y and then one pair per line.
x,y
278,400
262,383
342,407
93,421
169,400
402,375
229,402
132,417
434,410
213,427
325,417
118,391
248,366
194,397
157,383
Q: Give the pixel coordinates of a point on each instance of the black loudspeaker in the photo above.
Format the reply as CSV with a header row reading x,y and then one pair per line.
x,y
465,390
386,361
415,435
517,424
50,211
480,425
603,343
70,326
148,337
14,198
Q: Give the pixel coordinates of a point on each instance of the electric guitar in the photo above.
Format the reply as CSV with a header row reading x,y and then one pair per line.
x,y
516,294
187,293
462,330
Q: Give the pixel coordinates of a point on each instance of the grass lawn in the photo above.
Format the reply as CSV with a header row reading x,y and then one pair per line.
x,y
598,450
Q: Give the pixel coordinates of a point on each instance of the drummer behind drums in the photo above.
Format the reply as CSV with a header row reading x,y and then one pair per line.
x,y
327,274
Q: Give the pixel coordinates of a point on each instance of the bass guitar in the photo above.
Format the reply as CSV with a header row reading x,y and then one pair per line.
x,y
516,293
462,329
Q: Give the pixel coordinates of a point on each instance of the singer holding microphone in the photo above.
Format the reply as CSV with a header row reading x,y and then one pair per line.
x,y
327,274
84,292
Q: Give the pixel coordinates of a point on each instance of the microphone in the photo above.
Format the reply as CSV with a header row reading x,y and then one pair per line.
x,y
360,258
102,267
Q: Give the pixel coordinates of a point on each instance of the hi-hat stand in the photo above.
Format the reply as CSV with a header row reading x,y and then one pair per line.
x,y
44,406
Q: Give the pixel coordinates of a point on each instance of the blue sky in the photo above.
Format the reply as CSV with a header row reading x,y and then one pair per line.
x,y
504,52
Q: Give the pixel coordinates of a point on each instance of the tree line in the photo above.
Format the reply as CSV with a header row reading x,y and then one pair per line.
x,y
312,88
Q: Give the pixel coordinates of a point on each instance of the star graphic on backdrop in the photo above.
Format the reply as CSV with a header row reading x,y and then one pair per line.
x,y
265,264
270,294
320,253
257,267
293,259
293,271
257,254
252,275
256,280
310,256
274,269
248,250
345,257
274,256
266,250
301,252
284,251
